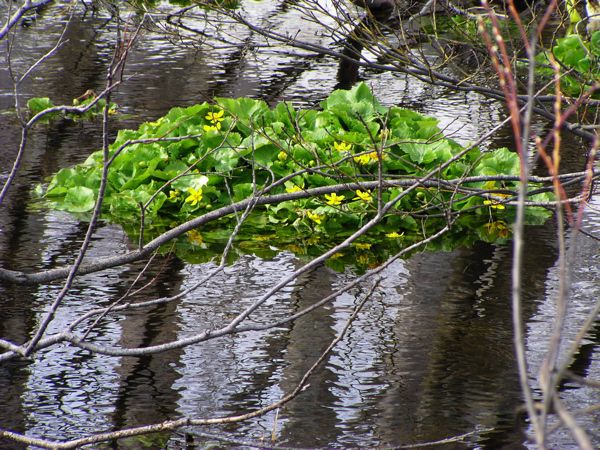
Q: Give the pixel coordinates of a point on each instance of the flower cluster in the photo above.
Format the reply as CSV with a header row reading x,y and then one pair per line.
x,y
215,118
498,228
195,238
495,203
491,201
366,158
394,235
342,146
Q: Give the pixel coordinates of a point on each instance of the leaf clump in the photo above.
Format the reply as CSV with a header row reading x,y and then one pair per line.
x,y
197,159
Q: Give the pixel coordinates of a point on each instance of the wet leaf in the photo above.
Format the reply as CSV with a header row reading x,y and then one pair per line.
x,y
243,146
79,199
38,104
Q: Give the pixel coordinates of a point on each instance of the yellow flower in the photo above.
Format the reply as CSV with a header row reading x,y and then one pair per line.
x,y
297,249
293,189
216,127
503,230
336,255
366,158
313,240
394,235
266,237
215,117
282,156
363,160
333,199
363,259
362,246
194,197
341,146
497,228
195,237
316,218
493,204
364,196
173,195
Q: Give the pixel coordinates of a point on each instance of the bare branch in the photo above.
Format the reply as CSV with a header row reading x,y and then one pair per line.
x,y
27,6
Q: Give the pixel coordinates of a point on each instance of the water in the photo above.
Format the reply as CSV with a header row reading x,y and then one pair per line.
x,y
429,356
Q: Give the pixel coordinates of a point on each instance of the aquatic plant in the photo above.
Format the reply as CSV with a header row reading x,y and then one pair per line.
x,y
329,171
577,59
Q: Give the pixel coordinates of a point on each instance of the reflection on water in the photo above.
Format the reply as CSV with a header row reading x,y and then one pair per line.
x,y
582,297
430,355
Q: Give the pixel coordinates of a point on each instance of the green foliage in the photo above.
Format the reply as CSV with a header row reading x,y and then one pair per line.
x,y
228,151
37,105
579,62
95,110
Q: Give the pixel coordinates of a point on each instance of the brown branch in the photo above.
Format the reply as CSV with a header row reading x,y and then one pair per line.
x,y
415,68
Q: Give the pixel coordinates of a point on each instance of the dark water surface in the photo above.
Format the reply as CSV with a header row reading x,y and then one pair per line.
x,y
429,357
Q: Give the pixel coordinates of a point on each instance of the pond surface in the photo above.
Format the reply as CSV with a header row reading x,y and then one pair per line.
x,y
429,357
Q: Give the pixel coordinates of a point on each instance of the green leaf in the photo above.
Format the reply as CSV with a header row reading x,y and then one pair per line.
x,y
536,215
285,113
424,153
171,170
242,191
72,177
38,104
245,111
79,199
263,149
595,43
570,50
501,161
192,180
359,98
